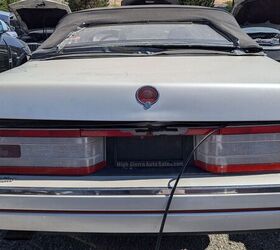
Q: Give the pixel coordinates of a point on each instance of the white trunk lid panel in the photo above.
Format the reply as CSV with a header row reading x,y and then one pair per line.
x,y
191,88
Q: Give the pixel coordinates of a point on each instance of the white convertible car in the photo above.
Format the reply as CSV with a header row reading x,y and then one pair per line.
x,y
142,120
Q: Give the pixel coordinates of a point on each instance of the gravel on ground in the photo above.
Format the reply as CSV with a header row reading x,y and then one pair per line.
x,y
243,241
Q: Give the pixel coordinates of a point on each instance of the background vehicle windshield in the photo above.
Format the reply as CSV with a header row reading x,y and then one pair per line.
x,y
146,34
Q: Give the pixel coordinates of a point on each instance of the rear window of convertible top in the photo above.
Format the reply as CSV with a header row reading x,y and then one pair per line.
x,y
146,34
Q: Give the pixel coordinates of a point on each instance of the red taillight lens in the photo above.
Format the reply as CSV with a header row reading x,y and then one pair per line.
x,y
245,149
81,151
51,155
40,133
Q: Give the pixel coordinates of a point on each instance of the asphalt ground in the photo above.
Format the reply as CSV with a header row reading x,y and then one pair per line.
x,y
249,241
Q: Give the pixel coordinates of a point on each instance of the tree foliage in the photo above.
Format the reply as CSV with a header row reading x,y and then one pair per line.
x,y
4,4
209,3
86,4
73,4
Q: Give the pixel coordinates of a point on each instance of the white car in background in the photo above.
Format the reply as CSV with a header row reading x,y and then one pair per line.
x,y
148,119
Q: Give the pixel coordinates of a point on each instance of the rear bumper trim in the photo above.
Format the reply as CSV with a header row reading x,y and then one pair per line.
x,y
143,211
139,223
138,191
125,210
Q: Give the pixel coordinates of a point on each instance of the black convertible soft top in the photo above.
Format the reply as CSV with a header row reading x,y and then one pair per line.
x,y
219,19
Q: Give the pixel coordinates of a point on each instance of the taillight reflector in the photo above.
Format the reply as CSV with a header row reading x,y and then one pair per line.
x,y
81,151
235,153
40,133
239,168
51,156
237,130
72,133
53,170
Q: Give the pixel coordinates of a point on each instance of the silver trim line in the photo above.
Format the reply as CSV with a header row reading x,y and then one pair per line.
x,y
140,191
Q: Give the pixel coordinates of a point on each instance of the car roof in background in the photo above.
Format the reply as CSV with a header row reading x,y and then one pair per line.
x,y
222,20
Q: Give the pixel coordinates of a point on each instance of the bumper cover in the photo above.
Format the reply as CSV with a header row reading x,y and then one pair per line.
x,y
140,210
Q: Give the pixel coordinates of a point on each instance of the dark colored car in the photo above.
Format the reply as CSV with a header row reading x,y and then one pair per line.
x,y
38,19
260,19
13,52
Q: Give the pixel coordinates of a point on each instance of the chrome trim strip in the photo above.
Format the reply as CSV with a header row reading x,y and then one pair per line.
x,y
140,191
201,211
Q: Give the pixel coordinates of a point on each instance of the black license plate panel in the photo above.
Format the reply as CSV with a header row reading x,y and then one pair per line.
x,y
152,152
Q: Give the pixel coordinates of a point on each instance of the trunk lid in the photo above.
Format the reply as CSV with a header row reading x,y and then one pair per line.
x,y
191,88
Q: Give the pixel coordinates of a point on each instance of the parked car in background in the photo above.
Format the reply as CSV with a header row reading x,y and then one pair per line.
x,y
9,18
260,19
11,31
38,19
111,112
4,57
6,16
13,52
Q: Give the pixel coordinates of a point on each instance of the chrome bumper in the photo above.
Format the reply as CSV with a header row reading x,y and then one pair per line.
x,y
139,210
